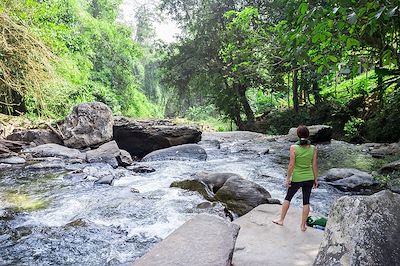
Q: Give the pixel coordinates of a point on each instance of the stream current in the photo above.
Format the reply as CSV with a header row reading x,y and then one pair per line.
x,y
58,217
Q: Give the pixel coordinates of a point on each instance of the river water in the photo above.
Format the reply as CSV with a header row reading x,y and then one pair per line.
x,y
58,217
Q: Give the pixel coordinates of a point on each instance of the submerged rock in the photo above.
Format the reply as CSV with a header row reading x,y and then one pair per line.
x,y
182,153
318,133
89,125
362,230
140,138
141,169
187,246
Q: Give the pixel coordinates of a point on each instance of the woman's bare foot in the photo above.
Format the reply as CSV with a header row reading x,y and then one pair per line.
x,y
278,221
303,228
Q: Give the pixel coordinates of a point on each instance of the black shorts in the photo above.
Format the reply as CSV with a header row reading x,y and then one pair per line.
x,y
306,187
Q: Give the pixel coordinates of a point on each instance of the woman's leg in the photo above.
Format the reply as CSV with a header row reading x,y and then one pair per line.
x,y
306,190
286,203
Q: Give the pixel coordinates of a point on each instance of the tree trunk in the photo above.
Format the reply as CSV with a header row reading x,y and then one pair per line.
x,y
295,92
315,90
241,91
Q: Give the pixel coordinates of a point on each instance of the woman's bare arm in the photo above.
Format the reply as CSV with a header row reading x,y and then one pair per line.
x,y
291,165
315,167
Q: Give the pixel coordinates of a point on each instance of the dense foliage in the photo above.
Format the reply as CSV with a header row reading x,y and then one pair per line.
x,y
57,53
270,65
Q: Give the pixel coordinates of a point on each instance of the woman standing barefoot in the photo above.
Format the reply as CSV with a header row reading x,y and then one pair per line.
x,y
302,173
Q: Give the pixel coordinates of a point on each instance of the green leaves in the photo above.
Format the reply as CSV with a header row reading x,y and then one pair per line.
x,y
303,8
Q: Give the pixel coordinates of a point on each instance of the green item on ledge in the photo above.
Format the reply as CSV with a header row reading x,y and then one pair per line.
x,y
316,220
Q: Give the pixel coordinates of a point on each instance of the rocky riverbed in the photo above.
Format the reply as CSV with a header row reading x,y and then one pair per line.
x,y
53,212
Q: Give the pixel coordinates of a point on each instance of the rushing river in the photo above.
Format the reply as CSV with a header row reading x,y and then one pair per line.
x,y
56,217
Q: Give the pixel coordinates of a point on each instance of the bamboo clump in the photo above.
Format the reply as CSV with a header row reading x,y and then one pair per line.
x,y
25,63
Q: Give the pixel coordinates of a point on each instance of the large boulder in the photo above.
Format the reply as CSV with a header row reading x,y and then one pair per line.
x,y
37,136
142,137
362,230
89,125
203,240
55,150
318,134
238,194
349,179
182,153
241,195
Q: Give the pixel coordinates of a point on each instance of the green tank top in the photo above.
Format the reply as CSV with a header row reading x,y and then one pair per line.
x,y
303,163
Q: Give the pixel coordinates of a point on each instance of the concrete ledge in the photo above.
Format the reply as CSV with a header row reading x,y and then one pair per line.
x,y
202,241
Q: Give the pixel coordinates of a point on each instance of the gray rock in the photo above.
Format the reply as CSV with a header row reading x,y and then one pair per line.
x,y
341,173
54,164
182,153
140,138
349,179
5,166
89,125
318,133
394,185
124,158
238,194
106,153
241,195
382,150
55,150
13,160
106,180
134,190
187,246
141,169
362,230
392,169
37,136
207,184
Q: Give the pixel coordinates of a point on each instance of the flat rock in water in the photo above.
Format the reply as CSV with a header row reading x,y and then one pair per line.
x,y
392,169
349,179
184,152
263,243
55,150
13,160
362,230
37,136
188,246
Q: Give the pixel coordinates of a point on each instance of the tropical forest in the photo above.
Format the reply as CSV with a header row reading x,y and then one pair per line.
x,y
163,132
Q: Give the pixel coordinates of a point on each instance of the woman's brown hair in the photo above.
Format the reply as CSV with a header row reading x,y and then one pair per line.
x,y
303,133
